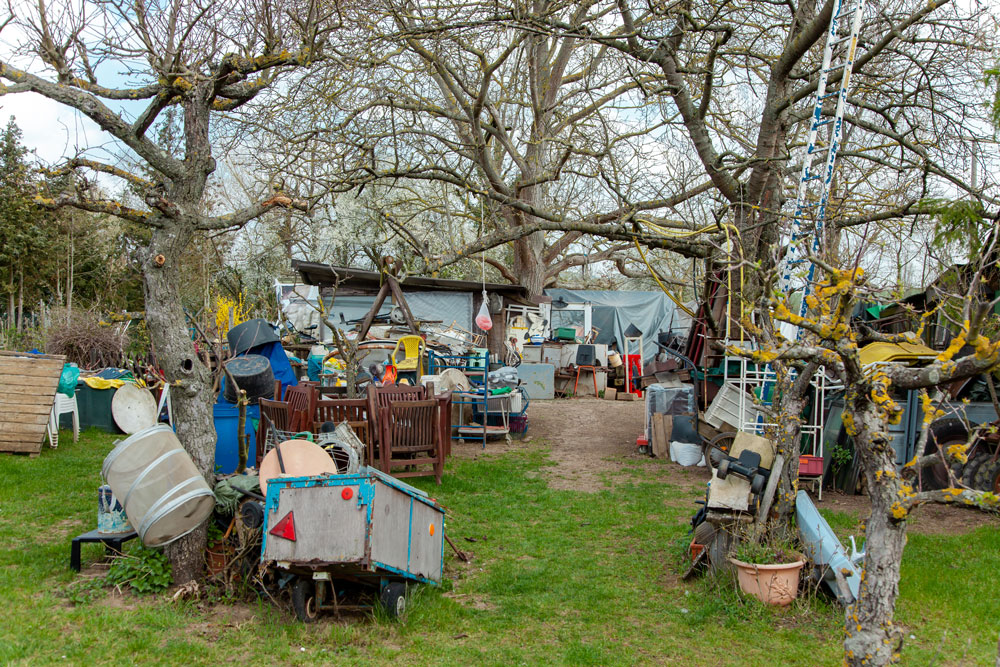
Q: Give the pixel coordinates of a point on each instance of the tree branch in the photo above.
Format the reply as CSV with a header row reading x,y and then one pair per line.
x,y
85,163
245,215
94,109
99,206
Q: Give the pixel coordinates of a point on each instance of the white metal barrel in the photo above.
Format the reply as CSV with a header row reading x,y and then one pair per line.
x,y
164,495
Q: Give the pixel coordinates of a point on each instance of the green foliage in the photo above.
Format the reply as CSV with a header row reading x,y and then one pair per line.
x,y
841,457
138,340
23,234
992,78
29,338
767,550
214,533
958,223
144,570
86,591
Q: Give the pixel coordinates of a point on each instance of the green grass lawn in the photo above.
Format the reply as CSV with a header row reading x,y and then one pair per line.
x,y
558,577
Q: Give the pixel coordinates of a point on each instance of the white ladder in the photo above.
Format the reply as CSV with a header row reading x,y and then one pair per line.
x,y
815,179
820,158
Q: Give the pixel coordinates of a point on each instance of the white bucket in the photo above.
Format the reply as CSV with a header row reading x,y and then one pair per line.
x,y
164,495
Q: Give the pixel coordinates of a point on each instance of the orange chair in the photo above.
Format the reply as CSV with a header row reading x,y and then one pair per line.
x,y
414,348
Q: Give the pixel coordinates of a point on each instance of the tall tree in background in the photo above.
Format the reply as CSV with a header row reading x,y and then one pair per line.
x,y
122,64
528,139
601,117
25,238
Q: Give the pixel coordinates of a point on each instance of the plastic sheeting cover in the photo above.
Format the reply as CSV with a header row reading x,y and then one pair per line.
x,y
678,402
612,312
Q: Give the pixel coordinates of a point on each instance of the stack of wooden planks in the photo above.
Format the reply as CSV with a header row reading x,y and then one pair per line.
x,y
28,384
662,429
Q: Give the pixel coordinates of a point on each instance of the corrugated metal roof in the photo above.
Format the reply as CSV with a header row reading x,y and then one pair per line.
x,y
325,275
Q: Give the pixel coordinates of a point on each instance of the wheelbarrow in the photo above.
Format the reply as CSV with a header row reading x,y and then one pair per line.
x,y
339,538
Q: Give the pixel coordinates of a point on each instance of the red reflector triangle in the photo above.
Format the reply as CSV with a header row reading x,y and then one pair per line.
x,y
285,528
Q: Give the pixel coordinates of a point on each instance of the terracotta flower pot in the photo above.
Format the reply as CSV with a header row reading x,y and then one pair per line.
x,y
776,584
216,559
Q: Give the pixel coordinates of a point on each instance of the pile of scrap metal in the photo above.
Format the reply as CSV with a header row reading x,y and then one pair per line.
x,y
739,498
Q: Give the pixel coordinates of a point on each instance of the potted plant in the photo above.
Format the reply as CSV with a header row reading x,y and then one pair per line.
x,y
768,569
216,552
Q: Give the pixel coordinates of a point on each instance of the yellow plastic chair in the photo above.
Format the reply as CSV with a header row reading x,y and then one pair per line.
x,y
413,349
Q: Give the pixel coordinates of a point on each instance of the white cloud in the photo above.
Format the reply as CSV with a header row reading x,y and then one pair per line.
x,y
52,130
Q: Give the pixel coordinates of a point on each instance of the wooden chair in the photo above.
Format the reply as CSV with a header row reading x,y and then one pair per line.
x,y
411,432
444,409
378,401
352,410
301,401
273,415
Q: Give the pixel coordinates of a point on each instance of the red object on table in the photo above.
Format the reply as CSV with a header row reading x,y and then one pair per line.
x,y
633,364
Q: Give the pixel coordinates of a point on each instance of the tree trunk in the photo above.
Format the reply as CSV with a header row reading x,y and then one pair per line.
x,y
789,402
69,273
20,299
870,636
528,264
11,320
190,379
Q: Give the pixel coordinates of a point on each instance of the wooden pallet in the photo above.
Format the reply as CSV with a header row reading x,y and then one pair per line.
x,y
28,384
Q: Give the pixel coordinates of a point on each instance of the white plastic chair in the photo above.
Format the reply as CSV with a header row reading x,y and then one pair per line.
x,y
62,405
52,428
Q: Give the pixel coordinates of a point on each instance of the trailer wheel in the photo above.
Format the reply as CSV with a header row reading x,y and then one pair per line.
x,y
718,448
304,600
988,477
969,474
943,433
393,599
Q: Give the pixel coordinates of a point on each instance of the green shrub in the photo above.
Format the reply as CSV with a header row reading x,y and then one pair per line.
x,y
145,571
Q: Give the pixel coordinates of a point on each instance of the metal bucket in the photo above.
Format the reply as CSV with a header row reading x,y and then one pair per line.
x,y
164,495
111,517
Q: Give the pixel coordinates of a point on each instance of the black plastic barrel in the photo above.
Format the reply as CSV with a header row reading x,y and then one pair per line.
x,y
253,374
250,334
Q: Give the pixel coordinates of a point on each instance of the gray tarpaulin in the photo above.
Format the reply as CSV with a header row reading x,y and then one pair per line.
x,y
612,312
447,307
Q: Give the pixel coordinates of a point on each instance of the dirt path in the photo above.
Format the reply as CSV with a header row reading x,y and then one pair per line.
x,y
589,439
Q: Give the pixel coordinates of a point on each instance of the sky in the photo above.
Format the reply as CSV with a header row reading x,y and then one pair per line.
x,y
50,129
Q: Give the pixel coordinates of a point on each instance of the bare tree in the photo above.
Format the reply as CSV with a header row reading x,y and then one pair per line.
x,y
833,340
739,77
122,64
533,139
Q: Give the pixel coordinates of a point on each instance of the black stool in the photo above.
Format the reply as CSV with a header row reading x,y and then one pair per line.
x,y
112,544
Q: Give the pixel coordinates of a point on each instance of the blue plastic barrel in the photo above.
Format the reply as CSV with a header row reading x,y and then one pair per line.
x,y
227,447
